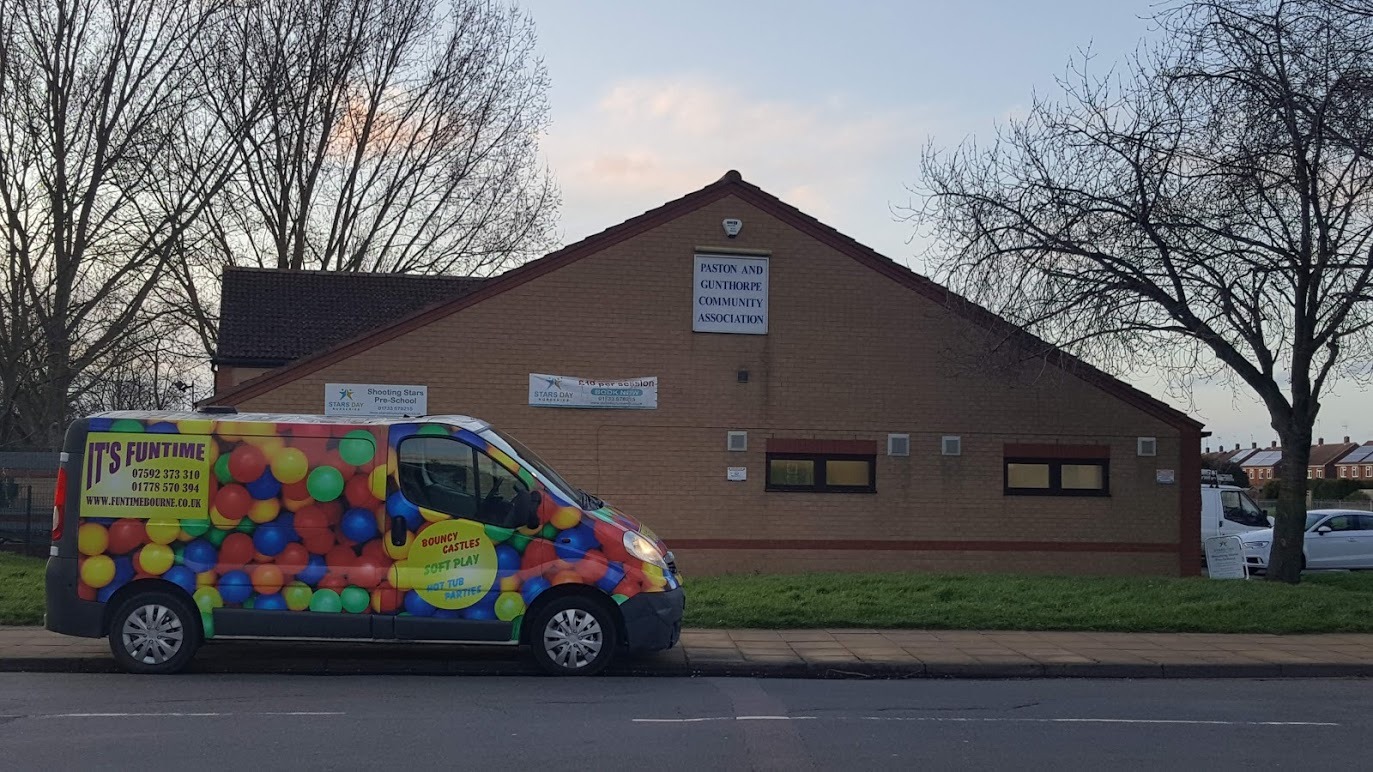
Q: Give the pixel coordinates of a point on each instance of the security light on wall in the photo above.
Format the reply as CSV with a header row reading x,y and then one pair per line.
x,y
898,444
1146,446
737,441
951,445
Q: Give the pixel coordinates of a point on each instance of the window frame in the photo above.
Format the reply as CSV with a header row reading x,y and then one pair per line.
x,y
818,460
1247,513
1056,465
476,454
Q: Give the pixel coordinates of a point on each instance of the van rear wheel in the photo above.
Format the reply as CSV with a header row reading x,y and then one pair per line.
x,y
574,636
154,633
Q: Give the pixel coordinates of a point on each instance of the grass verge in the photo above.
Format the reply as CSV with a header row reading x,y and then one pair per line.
x,y
21,589
1322,603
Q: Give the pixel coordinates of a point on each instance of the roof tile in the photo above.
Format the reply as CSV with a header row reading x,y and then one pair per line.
x,y
271,317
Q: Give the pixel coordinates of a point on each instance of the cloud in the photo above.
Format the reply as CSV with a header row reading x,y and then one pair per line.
x,y
643,141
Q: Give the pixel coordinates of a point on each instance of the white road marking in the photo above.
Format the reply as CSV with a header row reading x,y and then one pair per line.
x,y
173,714
951,719
1184,721
129,715
721,718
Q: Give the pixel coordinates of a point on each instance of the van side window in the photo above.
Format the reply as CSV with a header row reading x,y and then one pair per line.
x,y
1239,509
498,488
439,473
454,478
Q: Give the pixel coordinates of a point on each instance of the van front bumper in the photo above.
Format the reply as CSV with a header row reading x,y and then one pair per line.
x,y
653,620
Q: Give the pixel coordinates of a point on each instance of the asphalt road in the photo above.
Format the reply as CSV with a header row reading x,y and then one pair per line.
x,y
61,721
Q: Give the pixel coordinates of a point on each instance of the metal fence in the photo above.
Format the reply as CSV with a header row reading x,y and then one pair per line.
x,y
25,519
1363,505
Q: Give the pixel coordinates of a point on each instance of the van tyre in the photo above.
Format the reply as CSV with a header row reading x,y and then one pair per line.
x,y
154,633
574,636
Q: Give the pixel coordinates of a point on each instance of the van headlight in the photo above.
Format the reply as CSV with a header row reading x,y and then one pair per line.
x,y
640,547
1256,545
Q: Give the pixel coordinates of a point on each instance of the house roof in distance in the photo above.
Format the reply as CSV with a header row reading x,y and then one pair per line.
x,y
1264,458
1320,455
1361,455
1329,454
731,184
270,317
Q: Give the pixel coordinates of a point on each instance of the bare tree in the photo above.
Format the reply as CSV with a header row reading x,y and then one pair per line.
x,y
1204,211
107,156
399,136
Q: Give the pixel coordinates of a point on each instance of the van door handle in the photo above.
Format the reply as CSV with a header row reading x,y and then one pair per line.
x,y
398,528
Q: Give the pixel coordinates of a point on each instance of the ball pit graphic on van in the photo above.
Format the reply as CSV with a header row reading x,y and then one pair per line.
x,y
301,517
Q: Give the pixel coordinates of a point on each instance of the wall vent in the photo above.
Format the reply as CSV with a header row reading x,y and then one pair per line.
x,y
1146,446
951,445
898,444
737,441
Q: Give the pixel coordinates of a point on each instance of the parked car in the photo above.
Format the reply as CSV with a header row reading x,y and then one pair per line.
x,y
1335,538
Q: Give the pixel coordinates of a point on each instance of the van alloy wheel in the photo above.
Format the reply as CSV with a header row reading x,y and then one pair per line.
x,y
153,634
573,638
155,631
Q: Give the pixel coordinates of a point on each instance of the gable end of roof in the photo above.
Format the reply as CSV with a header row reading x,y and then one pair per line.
x,y
731,183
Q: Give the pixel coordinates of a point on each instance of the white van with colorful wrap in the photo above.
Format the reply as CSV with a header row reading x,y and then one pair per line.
x,y
172,529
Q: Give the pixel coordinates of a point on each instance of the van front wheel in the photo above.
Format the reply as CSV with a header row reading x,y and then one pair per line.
x,y
574,636
154,633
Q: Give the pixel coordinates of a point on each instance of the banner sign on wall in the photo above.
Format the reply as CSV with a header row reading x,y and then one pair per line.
x,y
375,399
569,391
730,294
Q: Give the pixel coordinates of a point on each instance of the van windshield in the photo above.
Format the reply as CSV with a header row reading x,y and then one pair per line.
x,y
529,457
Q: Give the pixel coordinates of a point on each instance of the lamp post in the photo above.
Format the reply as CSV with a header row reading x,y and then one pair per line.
x,y
184,387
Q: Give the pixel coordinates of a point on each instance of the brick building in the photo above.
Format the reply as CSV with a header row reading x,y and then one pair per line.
x,y
1322,464
1357,465
879,421
1263,465
1324,458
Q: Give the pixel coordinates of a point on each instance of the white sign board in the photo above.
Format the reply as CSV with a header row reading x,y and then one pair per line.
x,y
736,473
375,399
1225,558
570,391
730,294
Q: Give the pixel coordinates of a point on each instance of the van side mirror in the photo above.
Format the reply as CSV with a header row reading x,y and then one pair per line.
x,y
1323,530
525,512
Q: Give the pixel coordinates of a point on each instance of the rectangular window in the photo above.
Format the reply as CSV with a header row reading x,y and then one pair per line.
x,y
1057,477
1033,476
791,473
1084,477
822,472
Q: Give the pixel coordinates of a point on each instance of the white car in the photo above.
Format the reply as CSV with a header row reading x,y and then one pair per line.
x,y
1335,538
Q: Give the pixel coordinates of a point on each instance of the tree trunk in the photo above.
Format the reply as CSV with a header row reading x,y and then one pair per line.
x,y
1285,560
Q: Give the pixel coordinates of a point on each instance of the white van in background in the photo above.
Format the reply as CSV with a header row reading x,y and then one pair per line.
x,y
1226,509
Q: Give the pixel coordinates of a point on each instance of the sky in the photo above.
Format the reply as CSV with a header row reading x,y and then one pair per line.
x,y
828,106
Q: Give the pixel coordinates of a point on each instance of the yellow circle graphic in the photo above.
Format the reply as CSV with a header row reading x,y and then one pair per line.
x,y
452,564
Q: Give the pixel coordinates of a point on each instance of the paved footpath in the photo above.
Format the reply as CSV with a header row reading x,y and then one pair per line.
x,y
783,653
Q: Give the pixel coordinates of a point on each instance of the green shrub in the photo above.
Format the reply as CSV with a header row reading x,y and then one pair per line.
x,y
1333,490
